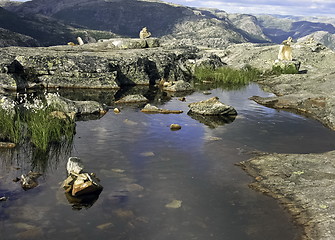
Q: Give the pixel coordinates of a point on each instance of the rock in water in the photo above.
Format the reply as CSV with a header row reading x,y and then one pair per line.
x,y
211,106
81,188
29,181
175,127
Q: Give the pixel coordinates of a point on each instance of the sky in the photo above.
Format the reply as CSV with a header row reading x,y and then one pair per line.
x,y
283,7
312,8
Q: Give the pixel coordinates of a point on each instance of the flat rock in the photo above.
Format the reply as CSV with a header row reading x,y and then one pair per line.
x,y
211,106
153,109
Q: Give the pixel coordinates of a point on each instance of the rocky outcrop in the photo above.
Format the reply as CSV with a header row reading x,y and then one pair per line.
x,y
93,66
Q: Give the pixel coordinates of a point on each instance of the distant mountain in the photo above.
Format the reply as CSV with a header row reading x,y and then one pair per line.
x,y
323,37
279,28
128,17
9,38
53,22
45,31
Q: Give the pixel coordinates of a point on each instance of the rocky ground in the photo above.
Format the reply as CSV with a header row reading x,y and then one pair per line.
x,y
304,183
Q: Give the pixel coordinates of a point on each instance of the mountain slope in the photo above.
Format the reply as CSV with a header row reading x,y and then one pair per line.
x,y
128,17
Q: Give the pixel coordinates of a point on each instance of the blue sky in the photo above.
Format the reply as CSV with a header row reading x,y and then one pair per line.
x,y
283,7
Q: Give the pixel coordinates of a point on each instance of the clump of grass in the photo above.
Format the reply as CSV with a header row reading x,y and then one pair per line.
x,y
10,126
35,124
43,129
226,76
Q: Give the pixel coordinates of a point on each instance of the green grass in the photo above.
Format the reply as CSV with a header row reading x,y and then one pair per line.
x,y
226,77
36,126
10,126
278,70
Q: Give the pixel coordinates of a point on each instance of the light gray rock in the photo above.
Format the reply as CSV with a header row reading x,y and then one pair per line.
x,y
211,106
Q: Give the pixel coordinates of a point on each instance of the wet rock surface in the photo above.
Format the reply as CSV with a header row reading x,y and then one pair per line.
x,y
302,182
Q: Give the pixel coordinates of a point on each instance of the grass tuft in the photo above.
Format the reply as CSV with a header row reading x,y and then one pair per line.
x,y
227,77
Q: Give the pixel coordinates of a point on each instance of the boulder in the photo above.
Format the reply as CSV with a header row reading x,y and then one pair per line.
x,y
78,107
29,181
179,86
211,106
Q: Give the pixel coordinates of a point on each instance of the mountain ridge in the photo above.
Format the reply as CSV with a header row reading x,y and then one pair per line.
x,y
172,22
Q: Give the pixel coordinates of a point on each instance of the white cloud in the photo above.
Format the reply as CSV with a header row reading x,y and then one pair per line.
x,y
286,7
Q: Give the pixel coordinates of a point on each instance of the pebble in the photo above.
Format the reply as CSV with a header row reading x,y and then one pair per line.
x,y
174,204
175,126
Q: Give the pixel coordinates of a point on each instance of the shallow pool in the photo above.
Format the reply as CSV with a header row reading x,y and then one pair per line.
x,y
161,184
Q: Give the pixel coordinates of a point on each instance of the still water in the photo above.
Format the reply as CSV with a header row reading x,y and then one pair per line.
x,y
161,184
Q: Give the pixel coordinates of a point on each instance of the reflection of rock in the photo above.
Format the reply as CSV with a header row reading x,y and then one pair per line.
x,y
212,121
153,109
81,189
211,106
29,180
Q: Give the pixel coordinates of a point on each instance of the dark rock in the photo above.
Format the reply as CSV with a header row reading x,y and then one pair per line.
x,y
29,180
212,121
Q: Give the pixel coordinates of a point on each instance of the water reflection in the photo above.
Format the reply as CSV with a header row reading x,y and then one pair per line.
x,y
144,167
212,121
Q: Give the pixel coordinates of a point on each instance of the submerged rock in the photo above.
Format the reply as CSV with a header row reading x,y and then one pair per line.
x,y
211,106
29,181
137,98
